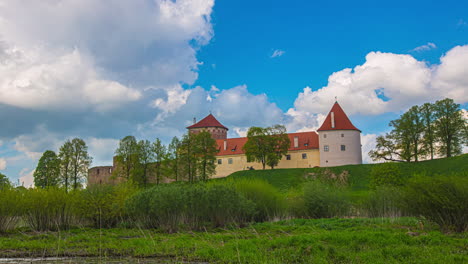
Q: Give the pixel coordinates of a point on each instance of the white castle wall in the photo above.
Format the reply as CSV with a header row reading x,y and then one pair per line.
x,y
352,154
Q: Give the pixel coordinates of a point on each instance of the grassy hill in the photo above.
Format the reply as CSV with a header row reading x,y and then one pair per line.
x,y
357,176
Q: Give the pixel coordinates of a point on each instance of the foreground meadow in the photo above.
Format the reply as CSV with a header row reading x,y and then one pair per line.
x,y
377,240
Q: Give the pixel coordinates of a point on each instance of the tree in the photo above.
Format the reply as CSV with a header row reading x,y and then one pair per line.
x,y
146,157
266,145
187,157
47,171
174,158
415,129
65,156
205,150
79,163
428,118
160,155
4,182
280,144
450,127
387,148
126,156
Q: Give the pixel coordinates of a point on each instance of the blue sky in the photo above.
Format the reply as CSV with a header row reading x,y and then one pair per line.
x,y
103,71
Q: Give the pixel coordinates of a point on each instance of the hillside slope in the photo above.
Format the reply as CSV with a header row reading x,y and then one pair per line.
x,y
357,176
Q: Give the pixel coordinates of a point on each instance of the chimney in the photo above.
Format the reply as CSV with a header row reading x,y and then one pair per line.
x,y
225,144
194,120
333,119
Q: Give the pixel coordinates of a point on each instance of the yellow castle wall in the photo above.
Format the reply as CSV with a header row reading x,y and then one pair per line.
x,y
239,162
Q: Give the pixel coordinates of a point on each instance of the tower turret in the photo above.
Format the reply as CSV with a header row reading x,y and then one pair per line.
x,y
339,140
210,124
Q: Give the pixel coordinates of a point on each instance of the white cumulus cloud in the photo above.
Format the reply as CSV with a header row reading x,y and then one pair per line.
x,y
3,164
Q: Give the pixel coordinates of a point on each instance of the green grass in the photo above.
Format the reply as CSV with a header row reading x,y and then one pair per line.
x,y
293,241
359,175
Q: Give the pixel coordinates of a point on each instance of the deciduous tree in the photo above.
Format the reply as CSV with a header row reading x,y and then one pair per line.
x,y
205,150
47,171
450,127
126,157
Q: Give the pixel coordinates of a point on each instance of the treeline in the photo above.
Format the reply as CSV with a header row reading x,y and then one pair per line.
x,y
237,202
424,132
191,159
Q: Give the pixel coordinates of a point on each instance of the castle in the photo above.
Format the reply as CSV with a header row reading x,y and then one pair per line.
x,y
337,142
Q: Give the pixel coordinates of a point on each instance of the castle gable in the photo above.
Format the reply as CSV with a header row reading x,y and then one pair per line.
x,y
209,121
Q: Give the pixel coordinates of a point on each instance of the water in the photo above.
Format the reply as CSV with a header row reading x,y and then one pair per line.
x,y
90,260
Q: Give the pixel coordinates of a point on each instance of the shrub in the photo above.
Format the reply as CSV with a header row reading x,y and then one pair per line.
x,y
440,199
49,209
171,206
386,174
269,202
104,205
10,209
385,201
324,200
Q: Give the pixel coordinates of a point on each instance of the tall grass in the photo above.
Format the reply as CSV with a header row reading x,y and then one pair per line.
x,y
269,202
10,209
324,200
49,209
441,199
384,201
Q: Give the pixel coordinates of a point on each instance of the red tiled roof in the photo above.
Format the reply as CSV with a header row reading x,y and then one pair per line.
x,y
209,121
306,140
342,121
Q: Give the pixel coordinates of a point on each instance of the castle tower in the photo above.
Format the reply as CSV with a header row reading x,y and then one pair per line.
x,y
210,124
339,140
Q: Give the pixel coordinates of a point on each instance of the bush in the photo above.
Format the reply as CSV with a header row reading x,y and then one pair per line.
x,y
440,199
49,209
324,200
10,209
385,201
386,174
171,206
269,202
104,205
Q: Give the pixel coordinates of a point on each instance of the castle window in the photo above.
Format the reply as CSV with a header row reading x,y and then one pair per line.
x,y
230,161
288,157
342,135
304,155
110,170
324,135
220,161
97,172
326,148
343,148
296,142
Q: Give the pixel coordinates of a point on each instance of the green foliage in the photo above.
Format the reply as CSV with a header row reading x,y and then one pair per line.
x,y
386,174
384,201
416,133
325,200
10,208
4,182
441,199
104,205
49,209
74,163
126,156
266,145
47,171
205,149
174,159
197,155
450,127
269,202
